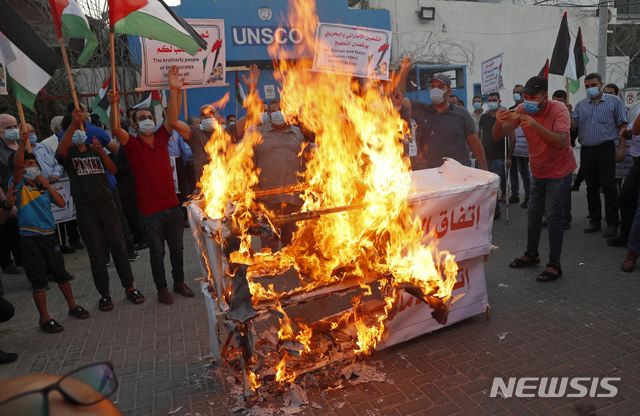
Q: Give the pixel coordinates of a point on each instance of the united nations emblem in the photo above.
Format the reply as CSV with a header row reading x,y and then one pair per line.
x,y
265,13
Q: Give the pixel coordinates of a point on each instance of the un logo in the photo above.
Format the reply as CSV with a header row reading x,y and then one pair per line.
x,y
265,13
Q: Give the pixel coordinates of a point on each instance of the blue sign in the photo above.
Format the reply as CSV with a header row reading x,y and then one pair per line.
x,y
264,35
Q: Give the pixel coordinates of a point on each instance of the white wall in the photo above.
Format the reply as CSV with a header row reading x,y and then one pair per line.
x,y
466,33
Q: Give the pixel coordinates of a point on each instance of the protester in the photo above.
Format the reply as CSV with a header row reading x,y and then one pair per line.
x,y
443,130
477,111
95,209
160,214
546,124
518,165
130,121
630,190
127,190
600,119
37,238
9,135
56,127
561,96
196,137
452,99
629,263
231,119
494,150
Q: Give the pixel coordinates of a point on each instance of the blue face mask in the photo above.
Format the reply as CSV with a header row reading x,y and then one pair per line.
x,y
531,107
477,106
516,97
79,137
33,139
592,92
31,173
493,106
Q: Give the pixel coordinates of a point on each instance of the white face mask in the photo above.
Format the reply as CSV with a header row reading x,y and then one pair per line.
x,y
208,124
12,135
146,127
437,95
277,118
31,173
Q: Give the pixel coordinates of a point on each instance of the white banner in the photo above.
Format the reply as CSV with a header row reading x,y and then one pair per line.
x,y
361,52
3,77
412,317
206,69
521,149
492,75
68,213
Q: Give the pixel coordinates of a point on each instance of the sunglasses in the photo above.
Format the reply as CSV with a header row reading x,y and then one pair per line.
x,y
85,386
140,118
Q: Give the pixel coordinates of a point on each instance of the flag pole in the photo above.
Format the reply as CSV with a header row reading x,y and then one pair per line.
x,y
23,123
567,88
114,108
184,98
68,67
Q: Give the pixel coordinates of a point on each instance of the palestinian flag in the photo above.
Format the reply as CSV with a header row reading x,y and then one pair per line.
x,y
149,100
70,22
101,104
580,55
155,20
240,95
544,72
562,60
30,62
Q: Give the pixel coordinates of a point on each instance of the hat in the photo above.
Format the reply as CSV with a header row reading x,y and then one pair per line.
x,y
535,85
442,78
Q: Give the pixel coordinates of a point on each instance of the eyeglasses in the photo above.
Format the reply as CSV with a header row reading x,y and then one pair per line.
x,y
85,386
141,118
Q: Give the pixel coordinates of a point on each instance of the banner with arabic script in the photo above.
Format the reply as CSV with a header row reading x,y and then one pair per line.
x,y
356,51
492,79
206,69
68,212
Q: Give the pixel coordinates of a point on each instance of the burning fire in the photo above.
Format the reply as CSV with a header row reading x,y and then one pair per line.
x,y
357,161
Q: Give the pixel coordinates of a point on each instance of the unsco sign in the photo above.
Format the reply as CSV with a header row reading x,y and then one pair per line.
x,y
265,35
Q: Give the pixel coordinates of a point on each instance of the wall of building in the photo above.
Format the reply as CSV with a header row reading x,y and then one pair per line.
x,y
467,33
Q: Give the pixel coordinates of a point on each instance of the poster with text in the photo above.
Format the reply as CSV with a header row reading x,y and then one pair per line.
x,y
3,77
206,69
357,51
68,212
521,149
492,75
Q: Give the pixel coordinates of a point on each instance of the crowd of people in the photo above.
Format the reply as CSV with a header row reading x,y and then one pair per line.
x,y
125,200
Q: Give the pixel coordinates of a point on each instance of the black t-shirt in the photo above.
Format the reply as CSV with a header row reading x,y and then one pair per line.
x,y
440,135
87,176
493,149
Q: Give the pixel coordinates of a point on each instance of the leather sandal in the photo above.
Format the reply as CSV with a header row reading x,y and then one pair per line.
x,y
534,259
548,276
135,296
105,304
79,312
52,327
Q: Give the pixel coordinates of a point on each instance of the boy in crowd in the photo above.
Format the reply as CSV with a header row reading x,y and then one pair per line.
x,y
97,215
37,239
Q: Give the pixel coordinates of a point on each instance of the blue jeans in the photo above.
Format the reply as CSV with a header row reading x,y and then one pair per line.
x,y
165,225
520,165
497,166
548,197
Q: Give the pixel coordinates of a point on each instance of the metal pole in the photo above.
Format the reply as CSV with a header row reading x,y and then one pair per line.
x,y
602,39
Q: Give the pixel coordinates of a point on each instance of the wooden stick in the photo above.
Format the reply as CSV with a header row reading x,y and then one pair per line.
x,y
184,97
23,124
282,190
567,88
114,108
68,67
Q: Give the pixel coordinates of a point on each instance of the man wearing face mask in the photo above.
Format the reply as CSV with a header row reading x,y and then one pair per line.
x,y
9,136
518,164
546,124
231,119
210,119
477,111
493,150
443,129
600,119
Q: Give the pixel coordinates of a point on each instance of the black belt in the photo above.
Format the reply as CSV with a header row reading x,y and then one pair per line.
x,y
599,145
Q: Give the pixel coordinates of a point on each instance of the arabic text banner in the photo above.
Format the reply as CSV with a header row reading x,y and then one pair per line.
x,y
68,212
521,149
356,51
206,69
492,75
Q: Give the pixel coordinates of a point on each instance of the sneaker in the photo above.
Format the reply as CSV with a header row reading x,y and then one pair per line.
x,y
77,245
67,250
11,270
133,257
7,357
514,199
525,203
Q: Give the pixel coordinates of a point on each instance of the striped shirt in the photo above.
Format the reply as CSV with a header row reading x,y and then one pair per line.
x,y
599,122
278,161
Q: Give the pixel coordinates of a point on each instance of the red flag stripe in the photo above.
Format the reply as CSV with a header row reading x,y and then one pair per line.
x,y
119,9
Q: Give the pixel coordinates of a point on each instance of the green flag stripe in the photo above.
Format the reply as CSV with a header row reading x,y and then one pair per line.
x,y
22,94
75,27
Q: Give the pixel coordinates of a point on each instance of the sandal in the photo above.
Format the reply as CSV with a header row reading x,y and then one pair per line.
x,y
79,312
105,303
534,259
135,296
51,327
550,277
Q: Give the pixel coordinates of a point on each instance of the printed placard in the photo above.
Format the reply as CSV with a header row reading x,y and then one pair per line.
x,y
492,75
68,212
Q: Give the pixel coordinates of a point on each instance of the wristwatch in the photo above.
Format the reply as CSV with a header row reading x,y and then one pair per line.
x,y
4,206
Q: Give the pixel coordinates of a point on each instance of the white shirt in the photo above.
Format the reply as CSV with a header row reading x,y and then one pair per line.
x,y
51,142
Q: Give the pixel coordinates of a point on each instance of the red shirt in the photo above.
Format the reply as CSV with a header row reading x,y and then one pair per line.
x,y
547,162
152,172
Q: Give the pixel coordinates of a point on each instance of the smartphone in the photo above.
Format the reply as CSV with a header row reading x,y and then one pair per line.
x,y
513,115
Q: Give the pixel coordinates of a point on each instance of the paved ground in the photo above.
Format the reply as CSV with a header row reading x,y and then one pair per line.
x,y
585,324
